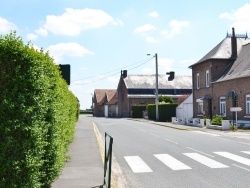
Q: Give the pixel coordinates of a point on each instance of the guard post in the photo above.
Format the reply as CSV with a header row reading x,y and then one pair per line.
x,y
107,160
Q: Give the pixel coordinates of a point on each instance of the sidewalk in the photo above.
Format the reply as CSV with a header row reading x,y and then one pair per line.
x,y
85,168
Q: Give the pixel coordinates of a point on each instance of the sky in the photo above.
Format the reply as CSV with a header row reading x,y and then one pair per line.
x,y
99,38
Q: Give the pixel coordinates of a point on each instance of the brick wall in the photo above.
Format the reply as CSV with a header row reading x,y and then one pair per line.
x,y
240,86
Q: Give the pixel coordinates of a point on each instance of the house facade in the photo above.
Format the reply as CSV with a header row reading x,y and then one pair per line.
x,y
221,79
140,89
104,103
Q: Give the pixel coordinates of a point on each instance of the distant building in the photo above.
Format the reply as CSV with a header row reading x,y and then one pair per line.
x,y
104,103
140,89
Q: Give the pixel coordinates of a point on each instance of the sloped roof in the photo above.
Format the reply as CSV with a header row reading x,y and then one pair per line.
x,y
148,82
101,94
223,49
240,68
111,96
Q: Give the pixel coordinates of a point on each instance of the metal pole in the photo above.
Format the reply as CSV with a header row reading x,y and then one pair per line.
x,y
156,89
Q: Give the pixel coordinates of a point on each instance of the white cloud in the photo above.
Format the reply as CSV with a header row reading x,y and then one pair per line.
x,y
72,49
144,28
31,36
73,21
176,28
151,39
6,26
42,32
154,14
240,18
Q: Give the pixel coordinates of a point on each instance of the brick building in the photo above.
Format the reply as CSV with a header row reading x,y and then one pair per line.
x,y
221,79
104,103
140,89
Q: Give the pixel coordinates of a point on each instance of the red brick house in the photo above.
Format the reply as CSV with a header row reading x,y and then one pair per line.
x,y
221,79
104,103
140,89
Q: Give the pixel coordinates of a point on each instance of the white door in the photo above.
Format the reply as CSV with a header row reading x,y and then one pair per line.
x,y
106,110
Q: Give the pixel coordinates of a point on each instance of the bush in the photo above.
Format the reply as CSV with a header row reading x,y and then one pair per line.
x,y
138,110
37,116
151,111
217,120
165,110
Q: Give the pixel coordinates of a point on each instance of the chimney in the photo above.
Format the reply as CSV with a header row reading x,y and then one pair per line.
x,y
124,73
233,45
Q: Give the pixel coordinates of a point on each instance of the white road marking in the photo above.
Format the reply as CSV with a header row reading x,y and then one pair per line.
x,y
201,132
137,165
171,162
234,157
247,152
205,160
241,167
154,135
170,141
200,152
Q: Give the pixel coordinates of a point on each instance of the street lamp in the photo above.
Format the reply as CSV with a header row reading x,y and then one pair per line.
x,y
156,87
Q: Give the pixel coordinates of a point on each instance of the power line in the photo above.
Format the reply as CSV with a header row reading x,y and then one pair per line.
x,y
145,61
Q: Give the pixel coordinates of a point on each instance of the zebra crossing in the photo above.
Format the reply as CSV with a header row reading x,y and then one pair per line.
x,y
138,165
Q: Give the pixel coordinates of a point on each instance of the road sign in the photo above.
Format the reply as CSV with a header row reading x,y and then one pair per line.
x,y
235,109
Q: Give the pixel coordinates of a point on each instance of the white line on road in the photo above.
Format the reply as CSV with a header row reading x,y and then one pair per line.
x,y
247,152
241,167
137,165
170,141
154,135
171,162
205,160
211,134
142,130
200,152
234,157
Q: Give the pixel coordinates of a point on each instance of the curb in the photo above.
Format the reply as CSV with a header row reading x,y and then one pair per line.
x,y
101,149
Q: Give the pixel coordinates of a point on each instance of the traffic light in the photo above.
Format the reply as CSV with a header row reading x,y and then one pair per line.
x,y
171,75
65,72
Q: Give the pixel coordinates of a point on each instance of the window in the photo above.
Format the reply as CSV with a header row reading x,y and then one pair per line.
x,y
248,104
198,80
223,106
207,78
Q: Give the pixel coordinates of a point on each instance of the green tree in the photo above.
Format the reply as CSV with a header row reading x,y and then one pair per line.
x,y
166,99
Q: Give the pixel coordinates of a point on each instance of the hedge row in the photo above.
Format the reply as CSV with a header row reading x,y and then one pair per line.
x,y
37,116
165,110
138,110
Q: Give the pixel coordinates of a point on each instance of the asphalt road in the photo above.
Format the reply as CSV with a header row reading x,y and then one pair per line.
x,y
160,157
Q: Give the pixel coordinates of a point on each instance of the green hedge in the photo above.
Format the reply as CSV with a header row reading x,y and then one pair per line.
x,y
165,110
138,110
37,116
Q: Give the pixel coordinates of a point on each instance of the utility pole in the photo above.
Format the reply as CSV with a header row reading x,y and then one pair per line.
x,y
156,88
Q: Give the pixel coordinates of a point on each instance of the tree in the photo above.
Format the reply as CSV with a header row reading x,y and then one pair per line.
x,y
166,99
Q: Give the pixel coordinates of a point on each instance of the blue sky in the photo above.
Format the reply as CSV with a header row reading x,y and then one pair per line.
x,y
100,38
